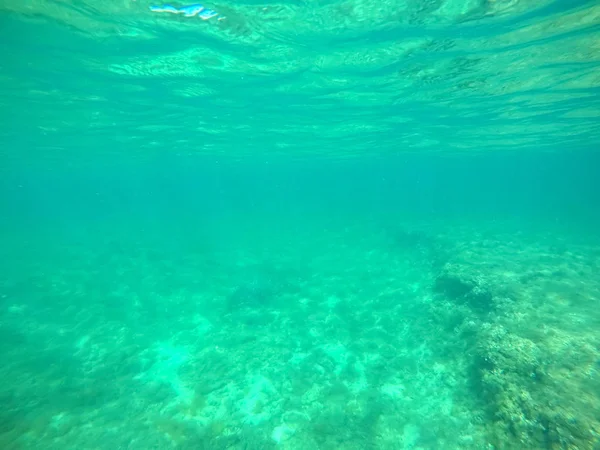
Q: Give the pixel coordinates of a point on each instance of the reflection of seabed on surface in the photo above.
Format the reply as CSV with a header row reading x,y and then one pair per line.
x,y
187,11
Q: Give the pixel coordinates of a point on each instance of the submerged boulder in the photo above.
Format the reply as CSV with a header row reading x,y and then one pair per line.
x,y
458,284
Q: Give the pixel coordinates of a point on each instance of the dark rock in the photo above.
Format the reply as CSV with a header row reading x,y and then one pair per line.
x,y
462,287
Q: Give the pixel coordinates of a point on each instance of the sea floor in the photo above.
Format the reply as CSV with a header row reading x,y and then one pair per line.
x,y
300,333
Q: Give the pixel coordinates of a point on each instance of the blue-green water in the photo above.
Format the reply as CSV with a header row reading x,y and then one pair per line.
x,y
309,225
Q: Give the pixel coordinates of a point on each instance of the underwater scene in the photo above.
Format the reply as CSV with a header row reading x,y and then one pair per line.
x,y
300,225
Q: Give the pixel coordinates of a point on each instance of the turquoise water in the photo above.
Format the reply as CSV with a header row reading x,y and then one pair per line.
x,y
304,225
